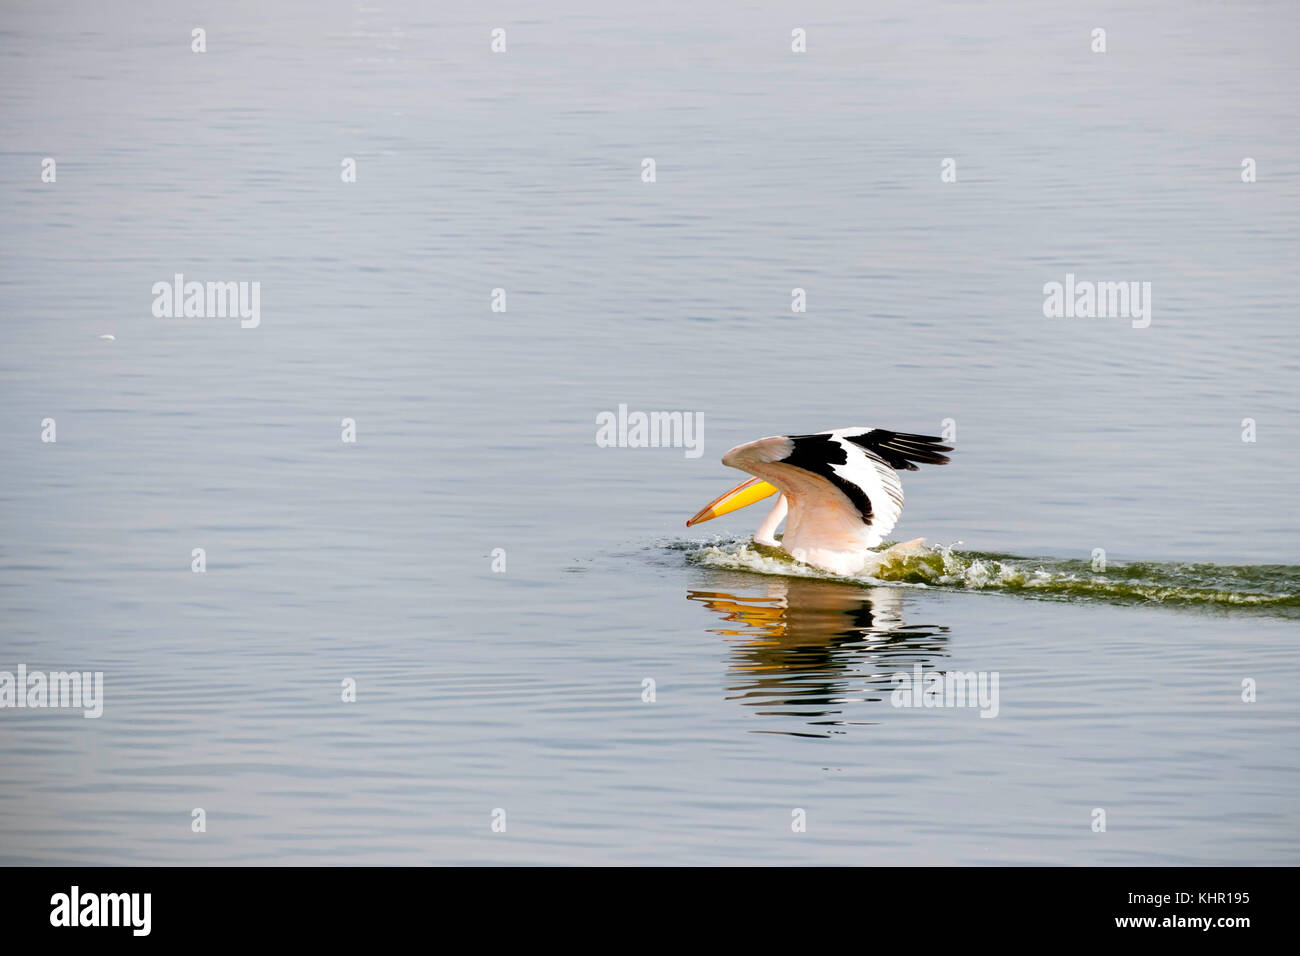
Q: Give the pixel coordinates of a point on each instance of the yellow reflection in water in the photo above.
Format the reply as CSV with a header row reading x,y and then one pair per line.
x,y
815,650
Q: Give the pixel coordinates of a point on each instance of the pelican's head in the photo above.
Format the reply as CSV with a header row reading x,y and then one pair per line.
x,y
746,493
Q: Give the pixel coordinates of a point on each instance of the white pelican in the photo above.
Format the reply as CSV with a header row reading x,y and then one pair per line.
x,y
840,488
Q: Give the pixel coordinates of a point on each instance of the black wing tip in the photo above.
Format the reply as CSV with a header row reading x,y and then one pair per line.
x,y
904,451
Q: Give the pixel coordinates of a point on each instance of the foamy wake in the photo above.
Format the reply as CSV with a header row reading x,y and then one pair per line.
x,y
1275,588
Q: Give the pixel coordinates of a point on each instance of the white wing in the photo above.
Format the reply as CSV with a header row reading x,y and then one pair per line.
x,y
842,487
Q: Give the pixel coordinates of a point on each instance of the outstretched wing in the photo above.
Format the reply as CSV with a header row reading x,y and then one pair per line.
x,y
899,450
841,485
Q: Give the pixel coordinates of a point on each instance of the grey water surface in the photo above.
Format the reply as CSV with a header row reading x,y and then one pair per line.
x,y
523,689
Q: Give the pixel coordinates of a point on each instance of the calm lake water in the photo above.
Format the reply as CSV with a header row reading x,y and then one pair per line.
x,y
522,690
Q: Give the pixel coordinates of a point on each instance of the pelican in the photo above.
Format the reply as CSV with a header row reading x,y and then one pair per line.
x,y
840,493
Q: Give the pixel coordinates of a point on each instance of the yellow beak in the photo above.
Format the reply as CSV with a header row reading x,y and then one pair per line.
x,y
756,489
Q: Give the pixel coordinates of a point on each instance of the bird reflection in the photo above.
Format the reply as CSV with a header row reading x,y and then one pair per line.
x,y
810,649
